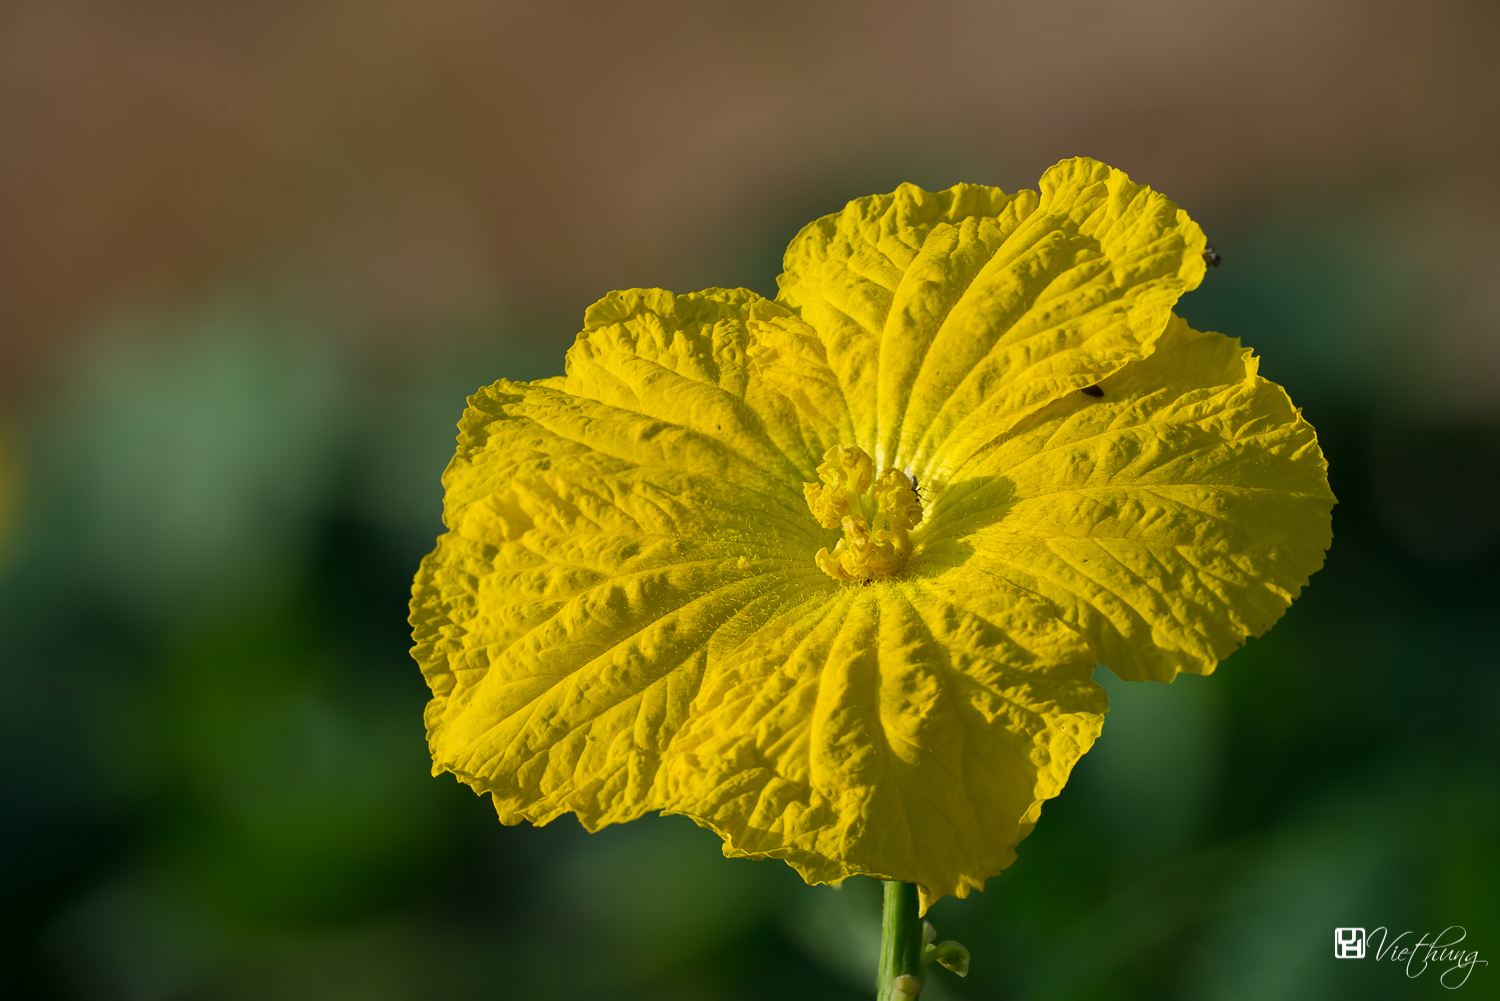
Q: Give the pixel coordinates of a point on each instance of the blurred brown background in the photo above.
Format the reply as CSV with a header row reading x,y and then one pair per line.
x,y
253,257
399,161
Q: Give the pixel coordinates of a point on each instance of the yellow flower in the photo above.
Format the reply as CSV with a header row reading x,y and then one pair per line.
x,y
830,574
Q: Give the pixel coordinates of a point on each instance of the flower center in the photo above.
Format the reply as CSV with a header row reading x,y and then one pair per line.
x,y
875,515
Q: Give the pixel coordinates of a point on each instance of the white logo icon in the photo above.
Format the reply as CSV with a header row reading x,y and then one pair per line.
x,y
1349,943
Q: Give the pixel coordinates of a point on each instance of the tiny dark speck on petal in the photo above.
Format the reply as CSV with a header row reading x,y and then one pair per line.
x,y
1094,391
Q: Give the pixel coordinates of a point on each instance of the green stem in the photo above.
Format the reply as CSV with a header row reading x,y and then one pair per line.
x,y
900,944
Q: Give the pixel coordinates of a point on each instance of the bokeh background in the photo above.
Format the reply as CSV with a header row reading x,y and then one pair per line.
x,y
253,256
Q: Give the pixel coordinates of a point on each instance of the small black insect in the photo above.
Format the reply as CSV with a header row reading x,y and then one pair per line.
x,y
1211,257
916,489
1094,391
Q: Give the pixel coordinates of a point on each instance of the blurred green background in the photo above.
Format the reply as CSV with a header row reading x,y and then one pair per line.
x,y
254,256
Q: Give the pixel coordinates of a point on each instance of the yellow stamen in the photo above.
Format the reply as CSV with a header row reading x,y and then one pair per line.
x,y
875,524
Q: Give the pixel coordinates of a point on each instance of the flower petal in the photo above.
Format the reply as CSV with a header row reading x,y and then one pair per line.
x,y
951,315
899,730
687,359
599,555
1169,519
